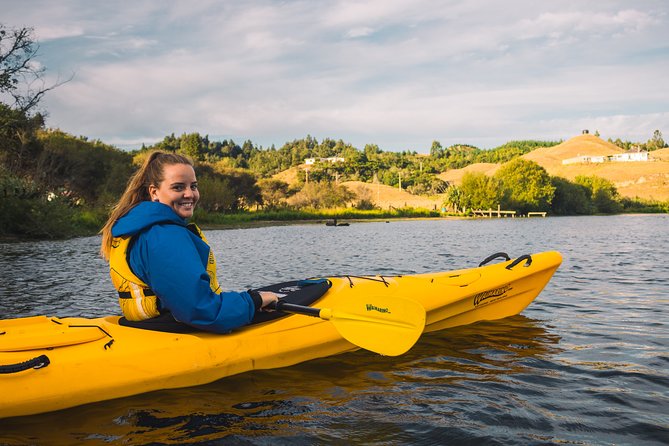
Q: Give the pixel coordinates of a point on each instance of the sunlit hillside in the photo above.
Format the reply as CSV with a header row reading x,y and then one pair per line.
x,y
648,180
581,145
288,175
385,197
454,176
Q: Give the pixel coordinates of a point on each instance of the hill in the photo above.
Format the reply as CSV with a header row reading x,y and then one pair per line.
x,y
288,175
381,195
647,180
386,196
454,176
581,145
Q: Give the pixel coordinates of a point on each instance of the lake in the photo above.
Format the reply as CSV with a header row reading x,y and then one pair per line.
x,y
586,363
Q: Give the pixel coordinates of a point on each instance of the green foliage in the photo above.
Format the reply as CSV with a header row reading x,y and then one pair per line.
x,y
511,150
603,194
656,142
644,206
317,215
454,199
19,147
216,195
81,170
274,193
570,198
479,191
26,212
323,195
365,201
527,186
231,189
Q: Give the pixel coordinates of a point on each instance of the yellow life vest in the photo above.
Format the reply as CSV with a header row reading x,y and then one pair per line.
x,y
138,301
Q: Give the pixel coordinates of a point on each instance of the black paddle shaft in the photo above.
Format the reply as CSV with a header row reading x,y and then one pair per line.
x,y
294,308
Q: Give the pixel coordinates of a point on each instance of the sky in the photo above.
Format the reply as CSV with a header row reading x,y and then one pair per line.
x,y
396,73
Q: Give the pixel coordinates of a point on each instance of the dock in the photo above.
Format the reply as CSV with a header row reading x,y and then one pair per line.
x,y
499,213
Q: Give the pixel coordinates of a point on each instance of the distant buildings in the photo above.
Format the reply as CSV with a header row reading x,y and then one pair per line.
x,y
332,159
618,157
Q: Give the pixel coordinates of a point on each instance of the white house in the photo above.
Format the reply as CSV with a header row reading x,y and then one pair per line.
x,y
618,157
630,156
332,159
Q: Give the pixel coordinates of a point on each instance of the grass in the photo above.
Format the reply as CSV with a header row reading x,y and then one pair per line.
x,y
246,218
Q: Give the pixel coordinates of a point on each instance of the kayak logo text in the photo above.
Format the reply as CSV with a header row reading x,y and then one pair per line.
x,y
371,307
484,296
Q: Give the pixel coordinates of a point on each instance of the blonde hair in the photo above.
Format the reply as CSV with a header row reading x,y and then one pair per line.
x,y
137,190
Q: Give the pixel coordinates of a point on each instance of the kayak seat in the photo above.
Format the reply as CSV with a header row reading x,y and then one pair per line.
x,y
300,292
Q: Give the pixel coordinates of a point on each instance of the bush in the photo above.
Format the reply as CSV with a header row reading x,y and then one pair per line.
x,y
322,195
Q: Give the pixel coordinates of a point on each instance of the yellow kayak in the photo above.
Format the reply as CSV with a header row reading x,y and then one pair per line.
x,y
50,363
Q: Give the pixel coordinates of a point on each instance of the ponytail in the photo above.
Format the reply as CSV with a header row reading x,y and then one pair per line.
x,y
150,173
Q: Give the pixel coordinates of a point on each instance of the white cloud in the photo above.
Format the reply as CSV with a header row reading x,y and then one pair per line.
x,y
362,31
48,32
396,73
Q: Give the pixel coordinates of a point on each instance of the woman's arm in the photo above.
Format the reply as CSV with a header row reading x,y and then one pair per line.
x,y
170,259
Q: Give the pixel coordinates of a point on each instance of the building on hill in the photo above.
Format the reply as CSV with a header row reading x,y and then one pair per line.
x,y
618,157
332,159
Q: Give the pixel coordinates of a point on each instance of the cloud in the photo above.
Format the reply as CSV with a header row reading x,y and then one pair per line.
x,y
362,31
396,73
48,32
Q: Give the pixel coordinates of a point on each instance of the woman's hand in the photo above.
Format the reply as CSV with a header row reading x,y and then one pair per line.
x,y
268,298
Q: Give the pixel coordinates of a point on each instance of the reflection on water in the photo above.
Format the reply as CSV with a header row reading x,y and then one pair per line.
x,y
584,364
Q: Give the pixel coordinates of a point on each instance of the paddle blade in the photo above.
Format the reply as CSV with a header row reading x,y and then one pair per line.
x,y
388,325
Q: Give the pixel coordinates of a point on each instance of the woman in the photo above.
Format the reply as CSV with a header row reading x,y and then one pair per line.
x,y
159,263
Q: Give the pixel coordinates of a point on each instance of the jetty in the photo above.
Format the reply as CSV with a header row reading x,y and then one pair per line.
x,y
499,213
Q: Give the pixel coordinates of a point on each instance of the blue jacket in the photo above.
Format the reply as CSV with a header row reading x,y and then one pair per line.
x,y
172,260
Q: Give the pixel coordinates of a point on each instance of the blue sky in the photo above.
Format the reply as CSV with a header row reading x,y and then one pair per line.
x,y
399,74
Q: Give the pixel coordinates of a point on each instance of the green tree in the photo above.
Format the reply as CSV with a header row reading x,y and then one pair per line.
x,y
480,191
656,142
192,145
570,198
527,186
323,195
274,193
77,169
371,151
216,194
454,199
436,151
19,147
603,194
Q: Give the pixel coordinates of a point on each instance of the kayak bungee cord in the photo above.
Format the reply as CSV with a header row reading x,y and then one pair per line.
x,y
107,345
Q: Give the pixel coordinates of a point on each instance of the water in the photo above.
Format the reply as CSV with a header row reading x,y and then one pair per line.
x,y
586,363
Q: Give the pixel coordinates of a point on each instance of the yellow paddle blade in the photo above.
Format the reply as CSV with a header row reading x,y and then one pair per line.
x,y
388,325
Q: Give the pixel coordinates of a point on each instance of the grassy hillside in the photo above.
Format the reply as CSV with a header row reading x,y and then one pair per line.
x,y
648,180
386,196
383,196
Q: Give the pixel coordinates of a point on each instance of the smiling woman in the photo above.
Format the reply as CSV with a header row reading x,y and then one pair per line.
x,y
178,189
160,265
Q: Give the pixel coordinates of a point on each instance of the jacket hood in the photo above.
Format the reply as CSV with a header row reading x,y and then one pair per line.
x,y
145,214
